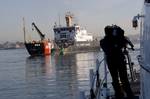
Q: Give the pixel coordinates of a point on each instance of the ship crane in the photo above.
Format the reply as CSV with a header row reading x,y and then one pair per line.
x,y
42,36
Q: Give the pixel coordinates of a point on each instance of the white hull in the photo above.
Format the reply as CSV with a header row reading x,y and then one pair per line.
x,y
145,52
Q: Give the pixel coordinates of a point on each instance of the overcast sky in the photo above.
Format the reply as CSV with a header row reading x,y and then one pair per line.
x,y
93,15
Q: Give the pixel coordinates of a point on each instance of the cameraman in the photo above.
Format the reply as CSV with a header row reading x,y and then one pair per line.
x,y
113,45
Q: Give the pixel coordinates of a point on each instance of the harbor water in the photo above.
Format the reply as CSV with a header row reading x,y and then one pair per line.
x,y
50,77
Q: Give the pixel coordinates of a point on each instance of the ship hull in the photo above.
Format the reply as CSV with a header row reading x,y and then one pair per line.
x,y
78,47
38,49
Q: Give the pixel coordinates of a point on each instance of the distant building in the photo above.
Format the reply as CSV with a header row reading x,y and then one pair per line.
x,y
12,45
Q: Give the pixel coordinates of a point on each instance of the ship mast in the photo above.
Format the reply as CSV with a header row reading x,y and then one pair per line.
x,y
24,30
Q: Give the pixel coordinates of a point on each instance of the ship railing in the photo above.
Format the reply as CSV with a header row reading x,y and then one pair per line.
x,y
96,84
142,65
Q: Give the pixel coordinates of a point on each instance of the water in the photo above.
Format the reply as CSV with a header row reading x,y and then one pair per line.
x,y
51,77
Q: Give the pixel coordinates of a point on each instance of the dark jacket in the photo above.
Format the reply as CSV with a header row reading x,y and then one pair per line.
x,y
113,46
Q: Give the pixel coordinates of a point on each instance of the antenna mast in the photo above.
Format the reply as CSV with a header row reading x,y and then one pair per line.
x,y
59,19
24,30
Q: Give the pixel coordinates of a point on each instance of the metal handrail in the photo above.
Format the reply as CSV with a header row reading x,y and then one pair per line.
x,y
141,63
98,66
96,75
94,93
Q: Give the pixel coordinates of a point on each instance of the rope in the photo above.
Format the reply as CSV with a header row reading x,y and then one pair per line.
x,y
141,62
92,94
97,81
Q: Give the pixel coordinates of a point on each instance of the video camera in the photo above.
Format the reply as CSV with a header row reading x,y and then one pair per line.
x,y
115,35
114,31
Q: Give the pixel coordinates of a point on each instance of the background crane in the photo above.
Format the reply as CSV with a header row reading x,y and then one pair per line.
x,y
42,36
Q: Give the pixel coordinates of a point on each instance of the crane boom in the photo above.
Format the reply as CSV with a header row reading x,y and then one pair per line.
x,y
42,36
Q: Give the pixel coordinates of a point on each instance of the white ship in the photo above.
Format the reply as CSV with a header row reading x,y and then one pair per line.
x,y
68,35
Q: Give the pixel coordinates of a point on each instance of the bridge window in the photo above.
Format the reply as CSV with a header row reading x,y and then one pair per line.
x,y
63,36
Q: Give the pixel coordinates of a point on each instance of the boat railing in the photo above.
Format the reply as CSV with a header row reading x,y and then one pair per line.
x,y
142,65
96,84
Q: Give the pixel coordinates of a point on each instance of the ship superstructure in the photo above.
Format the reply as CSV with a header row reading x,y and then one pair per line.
x,y
69,34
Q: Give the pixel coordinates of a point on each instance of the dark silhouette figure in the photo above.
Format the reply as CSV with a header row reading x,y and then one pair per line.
x,y
147,1
113,45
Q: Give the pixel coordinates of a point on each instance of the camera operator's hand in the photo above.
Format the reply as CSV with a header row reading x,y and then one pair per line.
x,y
132,48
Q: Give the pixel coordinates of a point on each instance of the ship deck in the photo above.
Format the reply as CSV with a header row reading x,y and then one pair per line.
x,y
136,85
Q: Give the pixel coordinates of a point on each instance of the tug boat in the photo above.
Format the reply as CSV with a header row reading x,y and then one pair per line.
x,y
41,47
38,48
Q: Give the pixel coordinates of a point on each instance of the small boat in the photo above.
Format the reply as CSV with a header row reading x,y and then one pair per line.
x,y
41,47
38,48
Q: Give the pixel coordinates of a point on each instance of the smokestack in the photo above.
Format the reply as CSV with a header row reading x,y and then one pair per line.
x,y
68,20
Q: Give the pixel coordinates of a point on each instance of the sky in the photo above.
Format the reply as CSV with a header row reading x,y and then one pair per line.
x,y
93,15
